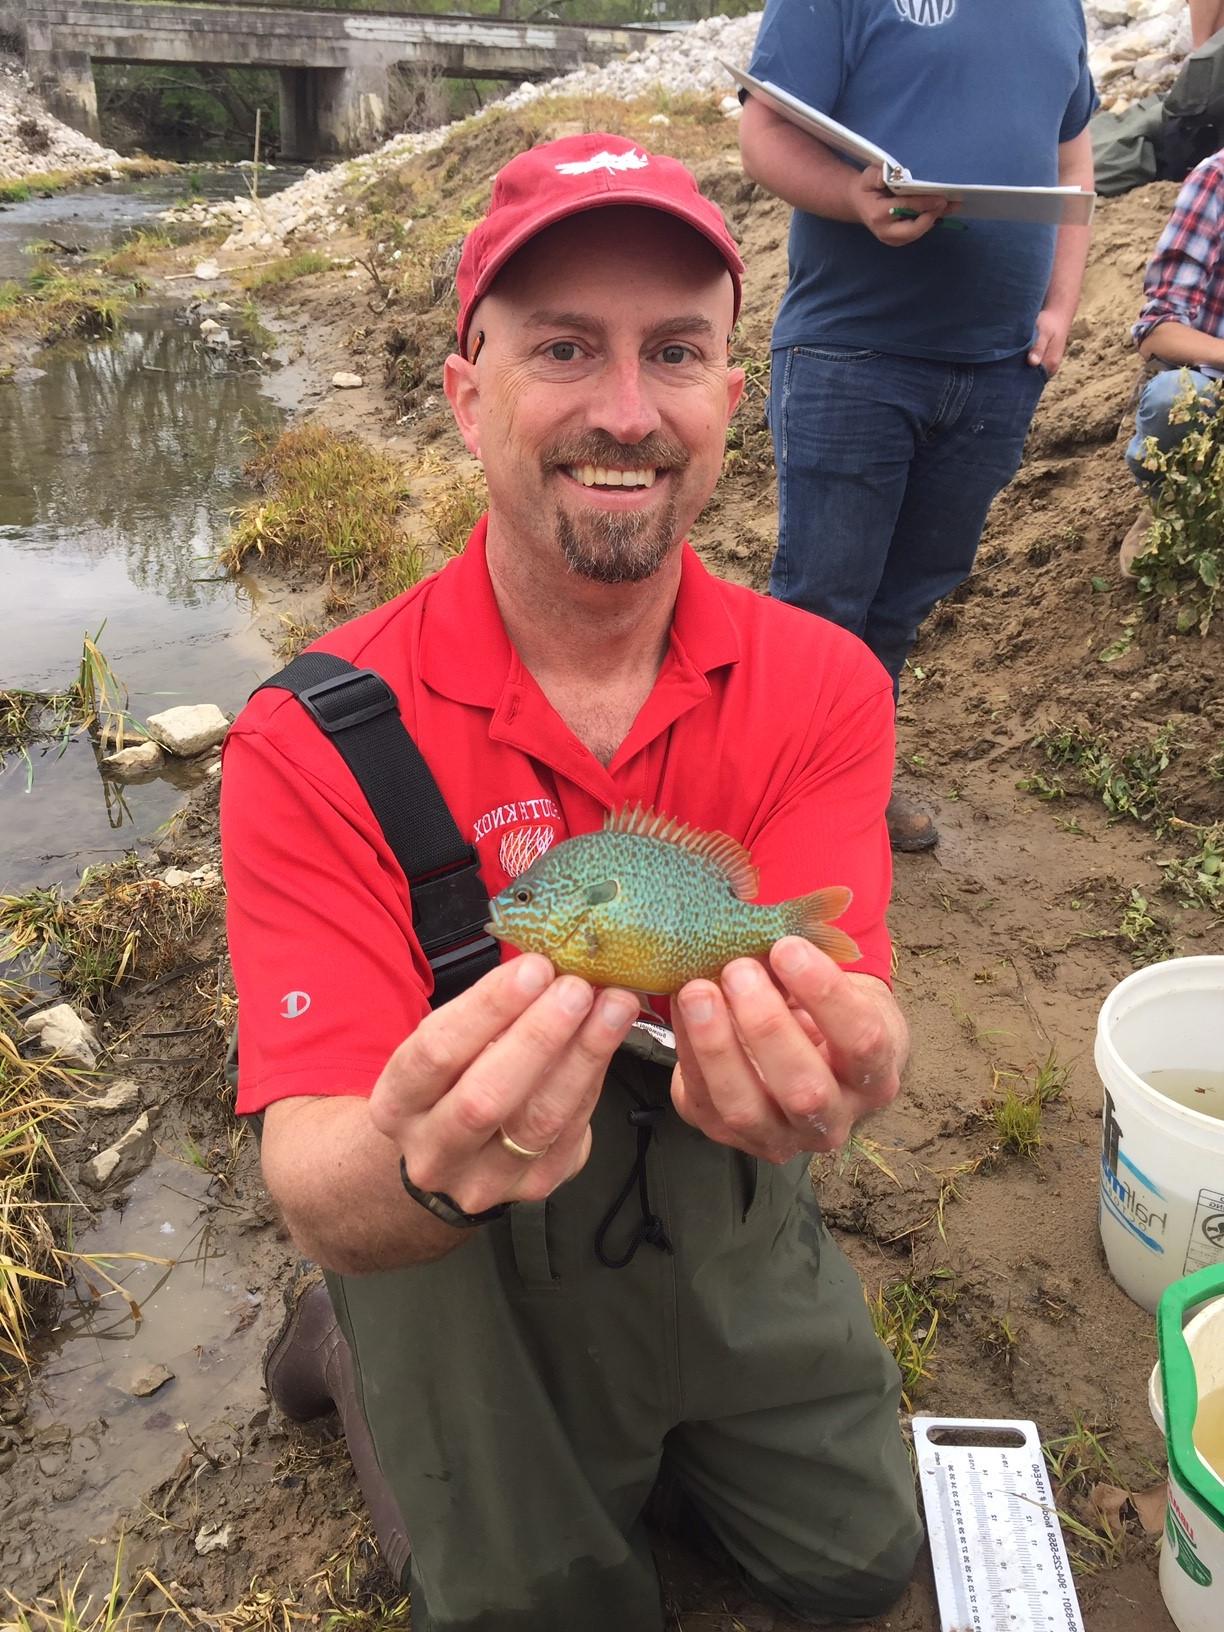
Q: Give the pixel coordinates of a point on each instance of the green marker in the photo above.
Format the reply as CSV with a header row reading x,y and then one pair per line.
x,y
944,221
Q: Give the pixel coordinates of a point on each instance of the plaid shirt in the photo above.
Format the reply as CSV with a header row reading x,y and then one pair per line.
x,y
1184,281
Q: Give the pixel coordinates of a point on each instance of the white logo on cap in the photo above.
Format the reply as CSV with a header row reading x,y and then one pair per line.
x,y
605,161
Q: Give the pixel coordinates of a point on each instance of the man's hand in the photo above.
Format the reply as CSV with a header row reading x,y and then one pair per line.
x,y
872,203
520,1052
773,1078
1050,345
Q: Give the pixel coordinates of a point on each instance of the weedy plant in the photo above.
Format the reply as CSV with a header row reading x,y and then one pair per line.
x,y
67,1611
1183,561
96,702
1127,783
905,1315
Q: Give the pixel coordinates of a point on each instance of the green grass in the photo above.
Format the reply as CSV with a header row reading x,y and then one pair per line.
x,y
303,265
905,1315
56,304
330,501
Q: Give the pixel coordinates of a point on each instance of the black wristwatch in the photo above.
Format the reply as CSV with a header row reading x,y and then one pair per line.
x,y
441,1206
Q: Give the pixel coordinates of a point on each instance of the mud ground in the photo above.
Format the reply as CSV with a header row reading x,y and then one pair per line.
x,y
1008,939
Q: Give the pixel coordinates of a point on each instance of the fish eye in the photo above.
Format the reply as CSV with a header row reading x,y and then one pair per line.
x,y
522,895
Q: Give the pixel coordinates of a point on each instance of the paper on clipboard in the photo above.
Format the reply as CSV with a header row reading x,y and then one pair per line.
x,y
1069,205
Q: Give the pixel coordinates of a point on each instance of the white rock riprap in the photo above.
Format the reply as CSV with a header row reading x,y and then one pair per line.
x,y
683,61
32,141
1136,47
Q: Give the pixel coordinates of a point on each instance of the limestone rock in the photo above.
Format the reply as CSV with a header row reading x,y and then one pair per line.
x,y
62,1031
139,760
149,1380
191,729
207,271
347,382
213,1538
125,1158
120,1096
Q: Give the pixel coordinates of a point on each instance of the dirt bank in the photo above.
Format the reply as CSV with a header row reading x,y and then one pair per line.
x,y
1008,938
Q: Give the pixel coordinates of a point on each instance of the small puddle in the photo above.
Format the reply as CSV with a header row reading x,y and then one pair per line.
x,y
123,462
100,1446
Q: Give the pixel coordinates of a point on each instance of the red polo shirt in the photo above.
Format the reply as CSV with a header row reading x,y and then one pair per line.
x,y
765,722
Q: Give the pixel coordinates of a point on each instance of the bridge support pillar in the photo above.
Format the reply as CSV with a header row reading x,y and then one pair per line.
x,y
65,82
353,108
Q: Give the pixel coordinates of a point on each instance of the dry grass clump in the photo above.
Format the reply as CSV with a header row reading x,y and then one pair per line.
x,y
66,1611
330,501
117,924
454,513
34,1093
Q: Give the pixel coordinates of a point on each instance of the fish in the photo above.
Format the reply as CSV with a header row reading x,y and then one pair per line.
x,y
649,903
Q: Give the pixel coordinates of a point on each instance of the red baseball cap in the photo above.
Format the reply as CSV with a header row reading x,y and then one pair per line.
x,y
562,178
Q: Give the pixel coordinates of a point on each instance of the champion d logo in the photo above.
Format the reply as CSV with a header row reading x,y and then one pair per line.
x,y
294,1004
607,161
926,13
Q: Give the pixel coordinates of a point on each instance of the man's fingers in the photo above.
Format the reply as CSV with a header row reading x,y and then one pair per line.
x,y
444,1045
569,1091
861,1050
722,1085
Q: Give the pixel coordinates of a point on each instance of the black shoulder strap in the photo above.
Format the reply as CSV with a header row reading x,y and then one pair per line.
x,y
358,711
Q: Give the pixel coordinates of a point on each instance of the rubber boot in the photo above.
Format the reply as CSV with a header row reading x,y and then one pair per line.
x,y
308,1371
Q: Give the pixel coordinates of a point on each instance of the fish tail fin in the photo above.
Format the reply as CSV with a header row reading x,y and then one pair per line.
x,y
810,915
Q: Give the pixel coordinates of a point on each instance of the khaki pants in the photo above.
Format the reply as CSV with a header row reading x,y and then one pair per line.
x,y
523,1397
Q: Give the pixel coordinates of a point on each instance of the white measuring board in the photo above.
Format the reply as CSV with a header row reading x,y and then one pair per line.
x,y
996,1543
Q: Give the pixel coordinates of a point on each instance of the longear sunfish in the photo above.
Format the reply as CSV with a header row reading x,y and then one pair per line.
x,y
649,903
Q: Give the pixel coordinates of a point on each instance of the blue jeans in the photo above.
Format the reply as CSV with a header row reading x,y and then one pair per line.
x,y
887,466
1152,415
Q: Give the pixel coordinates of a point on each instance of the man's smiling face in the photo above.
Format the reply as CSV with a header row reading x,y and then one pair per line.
x,y
601,394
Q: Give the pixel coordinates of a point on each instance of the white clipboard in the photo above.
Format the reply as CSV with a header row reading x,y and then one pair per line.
x,y
1060,205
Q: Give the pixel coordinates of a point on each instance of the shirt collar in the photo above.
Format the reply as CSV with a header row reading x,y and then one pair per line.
x,y
466,654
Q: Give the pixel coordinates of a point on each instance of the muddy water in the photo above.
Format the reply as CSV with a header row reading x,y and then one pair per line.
x,y
102,1440
121,463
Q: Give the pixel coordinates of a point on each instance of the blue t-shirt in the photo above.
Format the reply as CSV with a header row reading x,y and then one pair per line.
x,y
955,90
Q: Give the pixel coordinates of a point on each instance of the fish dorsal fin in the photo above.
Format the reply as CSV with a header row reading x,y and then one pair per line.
x,y
719,849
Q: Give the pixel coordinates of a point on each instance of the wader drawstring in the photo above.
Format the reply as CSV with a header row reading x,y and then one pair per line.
x,y
650,1227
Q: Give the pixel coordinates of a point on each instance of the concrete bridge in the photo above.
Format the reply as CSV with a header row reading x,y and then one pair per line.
x,y
334,66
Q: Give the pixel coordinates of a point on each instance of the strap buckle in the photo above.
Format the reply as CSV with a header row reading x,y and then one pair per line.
x,y
330,712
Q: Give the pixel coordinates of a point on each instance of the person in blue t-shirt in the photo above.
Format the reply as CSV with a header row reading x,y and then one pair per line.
x,y
909,354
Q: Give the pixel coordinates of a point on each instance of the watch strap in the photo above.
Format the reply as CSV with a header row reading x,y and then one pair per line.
x,y
442,1206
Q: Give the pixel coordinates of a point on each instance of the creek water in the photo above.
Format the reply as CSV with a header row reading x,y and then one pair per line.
x,y
120,462
97,218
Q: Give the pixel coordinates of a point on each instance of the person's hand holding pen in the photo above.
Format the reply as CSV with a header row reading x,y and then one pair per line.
x,y
893,223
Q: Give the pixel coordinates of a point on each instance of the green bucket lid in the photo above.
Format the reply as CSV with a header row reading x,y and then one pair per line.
x,y
1179,1386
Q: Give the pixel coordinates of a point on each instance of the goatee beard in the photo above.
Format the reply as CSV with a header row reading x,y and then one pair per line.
x,y
623,549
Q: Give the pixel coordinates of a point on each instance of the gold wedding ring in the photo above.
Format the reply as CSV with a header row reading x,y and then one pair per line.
x,y
520,1151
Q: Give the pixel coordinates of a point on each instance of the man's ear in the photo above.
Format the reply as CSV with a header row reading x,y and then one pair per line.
x,y
463,393
735,389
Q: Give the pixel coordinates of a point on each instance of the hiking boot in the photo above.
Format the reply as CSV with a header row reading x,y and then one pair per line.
x,y
910,828
1135,543
298,1360
308,1371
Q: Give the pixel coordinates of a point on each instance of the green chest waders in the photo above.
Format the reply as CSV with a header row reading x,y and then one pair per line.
x,y
671,1305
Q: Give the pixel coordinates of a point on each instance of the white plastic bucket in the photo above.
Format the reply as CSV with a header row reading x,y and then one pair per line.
x,y
1162,1164
1191,1366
